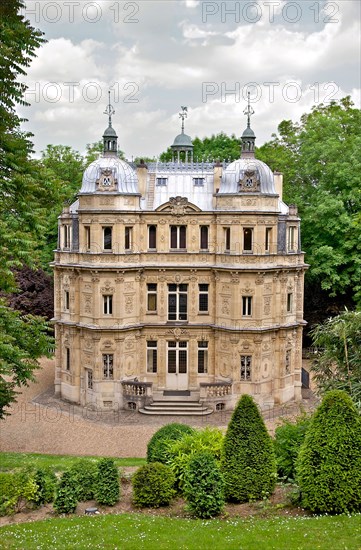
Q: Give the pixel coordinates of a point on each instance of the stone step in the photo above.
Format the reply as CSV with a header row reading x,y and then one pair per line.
x,y
178,412
172,408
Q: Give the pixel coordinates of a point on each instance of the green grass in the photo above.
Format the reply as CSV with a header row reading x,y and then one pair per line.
x,y
134,531
57,463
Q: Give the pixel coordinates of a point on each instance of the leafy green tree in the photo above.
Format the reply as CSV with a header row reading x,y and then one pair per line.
x,y
24,195
248,461
107,488
217,147
320,159
288,438
337,364
329,462
66,501
157,448
94,150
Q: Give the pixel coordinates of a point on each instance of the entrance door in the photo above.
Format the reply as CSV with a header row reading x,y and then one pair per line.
x,y
177,366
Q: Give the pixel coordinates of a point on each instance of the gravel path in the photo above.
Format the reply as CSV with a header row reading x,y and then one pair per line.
x,y
40,423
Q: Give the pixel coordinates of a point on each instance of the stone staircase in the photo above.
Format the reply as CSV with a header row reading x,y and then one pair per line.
x,y
176,408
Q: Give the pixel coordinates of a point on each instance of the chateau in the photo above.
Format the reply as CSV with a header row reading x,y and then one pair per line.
x,y
179,284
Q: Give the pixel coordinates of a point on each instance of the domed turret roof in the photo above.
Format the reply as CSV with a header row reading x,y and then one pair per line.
x,y
122,174
182,140
241,168
110,132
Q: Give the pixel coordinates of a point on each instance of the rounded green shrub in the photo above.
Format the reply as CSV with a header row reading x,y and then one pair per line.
x,y
248,459
180,452
65,501
153,485
204,486
18,491
84,473
329,462
158,444
46,482
107,488
287,442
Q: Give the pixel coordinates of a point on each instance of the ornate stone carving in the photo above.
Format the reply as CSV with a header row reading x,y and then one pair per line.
x,y
178,205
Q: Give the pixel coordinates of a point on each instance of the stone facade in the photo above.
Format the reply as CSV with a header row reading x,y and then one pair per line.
x,y
180,277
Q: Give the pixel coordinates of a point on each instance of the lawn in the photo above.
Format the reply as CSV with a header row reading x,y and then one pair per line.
x,y
134,531
57,463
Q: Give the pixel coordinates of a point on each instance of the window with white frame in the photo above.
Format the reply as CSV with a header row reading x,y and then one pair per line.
x,y
203,298
204,232
247,239
268,239
177,302
292,238
107,238
152,297
108,366
178,236
177,357
198,181
108,304
246,367
202,357
246,306
128,238
161,181
151,356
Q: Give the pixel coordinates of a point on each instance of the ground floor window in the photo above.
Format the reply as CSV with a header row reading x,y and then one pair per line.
x,y
177,357
246,367
108,366
202,357
151,356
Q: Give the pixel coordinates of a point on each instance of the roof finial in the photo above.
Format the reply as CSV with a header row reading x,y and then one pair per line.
x,y
109,111
183,115
249,111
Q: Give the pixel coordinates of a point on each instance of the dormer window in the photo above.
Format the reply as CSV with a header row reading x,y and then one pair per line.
x,y
198,181
161,181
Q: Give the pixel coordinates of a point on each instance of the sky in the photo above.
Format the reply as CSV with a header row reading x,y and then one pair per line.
x,y
158,55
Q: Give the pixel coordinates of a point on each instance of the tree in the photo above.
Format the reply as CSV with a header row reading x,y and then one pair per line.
x,y
329,462
94,150
204,486
337,364
107,487
24,195
320,159
35,294
248,461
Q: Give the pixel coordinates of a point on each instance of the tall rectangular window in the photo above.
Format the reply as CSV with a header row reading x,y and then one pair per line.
x,y
66,236
66,300
246,306
203,298
152,297
67,358
89,378
151,356
108,366
177,357
292,234
107,238
177,302
268,238
247,239
204,231
152,237
128,238
202,357
108,304
227,238
87,238
289,302
246,367
178,236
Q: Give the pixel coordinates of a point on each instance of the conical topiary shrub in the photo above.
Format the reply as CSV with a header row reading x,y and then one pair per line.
x,y
329,462
248,461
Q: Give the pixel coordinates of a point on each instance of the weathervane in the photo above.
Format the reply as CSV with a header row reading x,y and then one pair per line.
x,y
109,111
249,110
183,115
